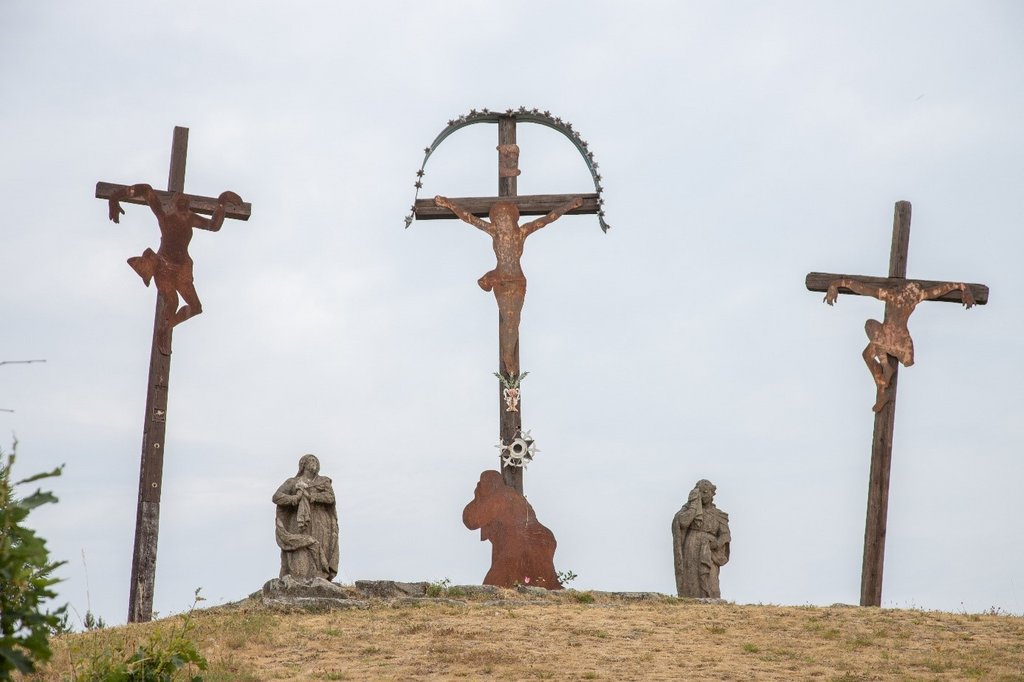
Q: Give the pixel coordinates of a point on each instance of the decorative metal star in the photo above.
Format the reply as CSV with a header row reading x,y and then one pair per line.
x,y
520,451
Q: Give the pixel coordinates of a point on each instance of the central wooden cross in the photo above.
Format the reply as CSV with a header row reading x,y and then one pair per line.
x,y
506,280
889,342
171,269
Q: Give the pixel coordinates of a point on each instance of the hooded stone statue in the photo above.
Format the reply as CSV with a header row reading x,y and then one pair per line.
x,y
306,527
700,543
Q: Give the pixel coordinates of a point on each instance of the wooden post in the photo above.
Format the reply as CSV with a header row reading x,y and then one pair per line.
x,y
881,439
510,423
147,519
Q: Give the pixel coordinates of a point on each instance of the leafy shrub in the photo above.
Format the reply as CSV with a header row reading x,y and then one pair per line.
x,y
26,576
159,659
438,588
565,577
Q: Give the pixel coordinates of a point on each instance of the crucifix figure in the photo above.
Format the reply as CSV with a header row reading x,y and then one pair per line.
x,y
889,342
507,280
171,267
891,336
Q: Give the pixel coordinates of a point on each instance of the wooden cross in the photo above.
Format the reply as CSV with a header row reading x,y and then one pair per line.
x,y
170,281
469,208
888,341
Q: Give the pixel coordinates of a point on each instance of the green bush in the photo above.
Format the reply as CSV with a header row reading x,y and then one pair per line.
x,y
159,659
26,576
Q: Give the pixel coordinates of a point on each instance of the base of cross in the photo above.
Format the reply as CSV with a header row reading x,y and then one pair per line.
x,y
522,549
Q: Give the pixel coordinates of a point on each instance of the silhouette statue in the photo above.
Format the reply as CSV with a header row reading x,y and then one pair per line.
x,y
522,550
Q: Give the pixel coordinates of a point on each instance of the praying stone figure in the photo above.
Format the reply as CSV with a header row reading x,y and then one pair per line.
x,y
507,279
171,265
307,523
522,550
891,336
700,543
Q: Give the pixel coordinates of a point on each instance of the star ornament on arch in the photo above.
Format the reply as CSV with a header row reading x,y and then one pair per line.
x,y
520,451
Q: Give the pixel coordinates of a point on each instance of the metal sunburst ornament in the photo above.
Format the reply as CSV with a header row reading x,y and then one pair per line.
x,y
519,452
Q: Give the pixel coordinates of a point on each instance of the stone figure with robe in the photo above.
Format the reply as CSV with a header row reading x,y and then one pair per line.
x,y
700,543
307,523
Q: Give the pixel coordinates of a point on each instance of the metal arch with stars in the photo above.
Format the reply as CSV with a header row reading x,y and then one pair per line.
x,y
544,118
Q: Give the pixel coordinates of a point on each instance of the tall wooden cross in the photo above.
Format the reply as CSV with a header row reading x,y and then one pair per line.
x,y
550,205
888,341
171,268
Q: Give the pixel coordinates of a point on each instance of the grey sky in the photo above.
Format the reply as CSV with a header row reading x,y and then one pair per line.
x,y
742,146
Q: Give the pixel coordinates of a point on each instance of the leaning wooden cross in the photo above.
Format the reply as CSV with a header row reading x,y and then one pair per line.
x,y
170,267
507,280
888,342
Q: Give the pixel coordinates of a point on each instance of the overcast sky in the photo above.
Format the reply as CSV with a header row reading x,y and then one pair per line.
x,y
742,145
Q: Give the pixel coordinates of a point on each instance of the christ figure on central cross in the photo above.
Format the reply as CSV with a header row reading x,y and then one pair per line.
x,y
507,279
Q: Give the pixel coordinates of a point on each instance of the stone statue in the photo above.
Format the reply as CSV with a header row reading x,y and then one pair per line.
x,y
891,336
307,523
171,266
700,543
507,279
522,550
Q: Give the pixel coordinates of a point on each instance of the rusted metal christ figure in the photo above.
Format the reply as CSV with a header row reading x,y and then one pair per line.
x,y
507,279
171,266
891,336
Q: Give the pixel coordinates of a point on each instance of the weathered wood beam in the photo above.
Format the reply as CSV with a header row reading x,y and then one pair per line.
x,y
205,205
819,281
532,204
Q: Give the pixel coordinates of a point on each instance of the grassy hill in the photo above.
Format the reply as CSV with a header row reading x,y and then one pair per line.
x,y
574,636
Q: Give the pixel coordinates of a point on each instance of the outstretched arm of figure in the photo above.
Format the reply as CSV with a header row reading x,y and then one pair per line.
x,y
141,190
853,285
535,225
214,223
967,296
445,202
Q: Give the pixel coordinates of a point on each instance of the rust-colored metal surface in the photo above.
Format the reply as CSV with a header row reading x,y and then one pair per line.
x,y
891,336
171,266
507,280
522,550
508,160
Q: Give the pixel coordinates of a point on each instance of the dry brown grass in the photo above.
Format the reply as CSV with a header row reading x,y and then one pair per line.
x,y
561,638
